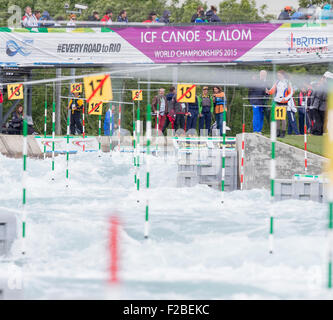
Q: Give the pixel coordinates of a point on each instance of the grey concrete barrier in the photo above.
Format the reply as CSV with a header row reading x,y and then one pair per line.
x,y
8,229
289,160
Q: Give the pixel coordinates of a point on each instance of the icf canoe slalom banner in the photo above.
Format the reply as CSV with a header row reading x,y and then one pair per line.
x,y
258,42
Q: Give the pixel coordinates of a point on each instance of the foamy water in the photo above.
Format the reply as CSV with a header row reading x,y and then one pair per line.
x,y
197,249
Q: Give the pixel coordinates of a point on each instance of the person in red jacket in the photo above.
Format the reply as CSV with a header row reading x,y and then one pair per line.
x,y
107,19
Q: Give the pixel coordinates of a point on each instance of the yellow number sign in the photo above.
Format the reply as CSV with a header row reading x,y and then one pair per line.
x,y
15,91
186,93
98,88
95,108
280,113
137,95
76,87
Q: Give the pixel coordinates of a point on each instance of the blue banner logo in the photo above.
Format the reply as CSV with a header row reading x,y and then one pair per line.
x,y
13,48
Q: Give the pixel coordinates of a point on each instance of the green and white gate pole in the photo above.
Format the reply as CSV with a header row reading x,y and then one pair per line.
x,y
272,177
45,122
223,155
157,123
67,149
329,155
134,151
53,136
24,174
138,153
99,135
148,136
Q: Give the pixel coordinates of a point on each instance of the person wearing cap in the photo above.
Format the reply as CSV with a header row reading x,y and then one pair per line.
x,y
285,14
107,19
75,106
320,104
206,108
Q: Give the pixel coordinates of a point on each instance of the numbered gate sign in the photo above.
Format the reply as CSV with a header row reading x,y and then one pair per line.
x,y
76,87
186,93
95,108
98,88
280,113
15,91
137,95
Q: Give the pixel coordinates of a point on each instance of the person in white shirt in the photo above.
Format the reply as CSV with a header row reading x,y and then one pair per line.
x,y
29,20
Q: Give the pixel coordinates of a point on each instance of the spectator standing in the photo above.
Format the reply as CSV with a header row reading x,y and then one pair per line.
x,y
75,106
17,120
94,17
206,108
255,95
180,109
211,15
285,14
166,17
320,104
219,100
303,112
29,20
193,112
197,14
122,16
326,12
291,113
72,21
152,18
107,19
298,15
46,20
170,115
38,15
109,118
161,101
201,18
283,92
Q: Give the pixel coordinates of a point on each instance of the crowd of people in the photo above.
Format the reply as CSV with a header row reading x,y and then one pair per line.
x,y
311,12
309,101
186,116
37,19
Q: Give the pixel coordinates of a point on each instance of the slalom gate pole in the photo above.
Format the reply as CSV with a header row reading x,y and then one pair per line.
x,y
67,148
99,135
157,123
148,135
329,168
53,136
45,121
134,151
223,155
111,131
272,177
305,147
114,248
24,173
138,153
119,127
243,151
83,128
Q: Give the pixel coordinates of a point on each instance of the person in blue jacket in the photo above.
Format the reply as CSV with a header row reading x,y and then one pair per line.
x,y
107,122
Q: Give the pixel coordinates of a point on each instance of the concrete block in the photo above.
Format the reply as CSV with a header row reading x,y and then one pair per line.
x,y
187,181
7,231
11,283
283,189
307,190
184,167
